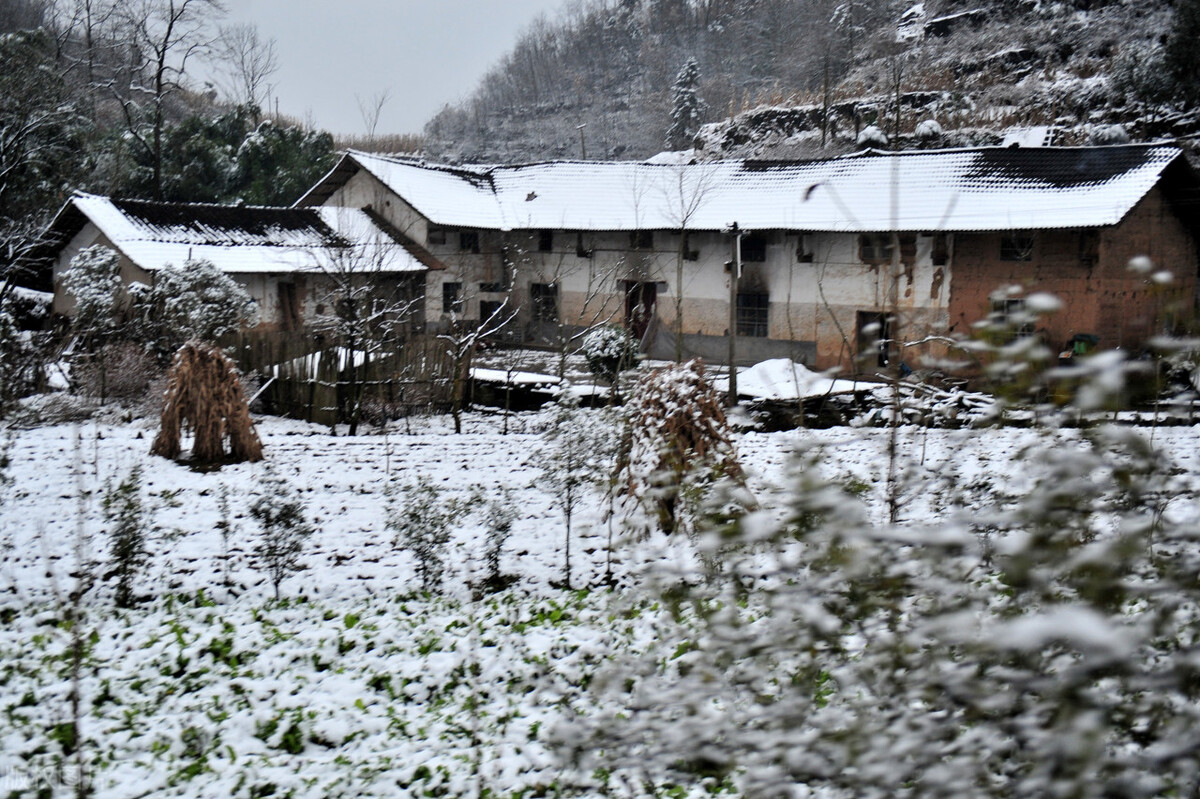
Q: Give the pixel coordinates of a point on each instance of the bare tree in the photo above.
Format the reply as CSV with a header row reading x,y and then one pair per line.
x,y
369,309
162,36
247,63
686,193
371,109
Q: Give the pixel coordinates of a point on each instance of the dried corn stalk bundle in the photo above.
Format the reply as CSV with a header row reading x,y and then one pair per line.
x,y
204,394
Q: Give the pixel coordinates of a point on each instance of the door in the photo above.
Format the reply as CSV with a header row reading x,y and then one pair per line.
x,y
641,300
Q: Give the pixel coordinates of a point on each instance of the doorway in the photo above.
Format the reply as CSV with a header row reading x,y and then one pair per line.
x,y
641,301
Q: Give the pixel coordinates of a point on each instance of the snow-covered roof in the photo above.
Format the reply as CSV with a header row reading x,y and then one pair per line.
x,y
239,239
956,190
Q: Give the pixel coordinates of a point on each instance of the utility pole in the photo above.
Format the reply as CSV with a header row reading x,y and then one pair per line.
x,y
735,272
582,145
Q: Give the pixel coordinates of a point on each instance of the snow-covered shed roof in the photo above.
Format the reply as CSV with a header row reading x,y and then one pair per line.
x,y
237,239
954,190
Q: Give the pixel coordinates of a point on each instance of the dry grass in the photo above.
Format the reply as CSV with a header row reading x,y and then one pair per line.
x,y
204,394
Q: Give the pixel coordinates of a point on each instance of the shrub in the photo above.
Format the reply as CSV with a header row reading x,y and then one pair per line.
x,y
124,512
498,518
194,302
124,372
609,350
422,520
285,528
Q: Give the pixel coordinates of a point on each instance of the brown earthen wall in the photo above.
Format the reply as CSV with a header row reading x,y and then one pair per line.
x,y
1102,297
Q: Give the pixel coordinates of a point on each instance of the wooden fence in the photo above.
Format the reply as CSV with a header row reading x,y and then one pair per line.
x,y
315,380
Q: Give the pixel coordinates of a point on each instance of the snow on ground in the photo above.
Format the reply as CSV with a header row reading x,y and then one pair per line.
x,y
355,684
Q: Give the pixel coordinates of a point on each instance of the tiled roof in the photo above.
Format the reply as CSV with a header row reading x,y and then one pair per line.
x,y
237,239
976,189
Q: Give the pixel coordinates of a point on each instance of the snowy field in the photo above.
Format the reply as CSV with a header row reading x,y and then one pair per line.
x,y
356,684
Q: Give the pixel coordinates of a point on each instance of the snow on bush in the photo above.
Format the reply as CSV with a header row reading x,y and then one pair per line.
x,y
195,301
1031,639
422,521
283,528
609,350
93,281
872,136
928,129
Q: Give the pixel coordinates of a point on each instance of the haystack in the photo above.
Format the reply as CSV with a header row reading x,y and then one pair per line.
x,y
204,394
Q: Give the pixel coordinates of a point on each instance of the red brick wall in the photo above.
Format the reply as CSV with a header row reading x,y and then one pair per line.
x,y
1103,298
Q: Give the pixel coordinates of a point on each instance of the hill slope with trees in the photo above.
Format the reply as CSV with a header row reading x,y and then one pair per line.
x,y
797,78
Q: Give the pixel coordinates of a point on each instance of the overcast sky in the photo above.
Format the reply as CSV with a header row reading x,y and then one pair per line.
x,y
426,53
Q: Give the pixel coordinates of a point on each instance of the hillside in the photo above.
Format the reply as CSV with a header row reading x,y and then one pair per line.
x,y
772,70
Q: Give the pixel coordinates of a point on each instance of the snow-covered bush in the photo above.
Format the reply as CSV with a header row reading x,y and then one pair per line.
x,y
93,280
195,301
680,443
284,528
11,347
609,350
872,136
498,520
124,371
422,520
928,129
58,407
126,517
1108,134
1036,642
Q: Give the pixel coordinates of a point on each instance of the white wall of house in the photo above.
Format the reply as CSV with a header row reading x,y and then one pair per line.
x,y
817,301
364,189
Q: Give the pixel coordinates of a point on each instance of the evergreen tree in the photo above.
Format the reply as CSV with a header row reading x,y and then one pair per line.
x,y
687,107
1182,58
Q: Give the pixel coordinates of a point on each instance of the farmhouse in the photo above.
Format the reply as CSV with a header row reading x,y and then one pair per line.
x,y
818,261
287,258
835,254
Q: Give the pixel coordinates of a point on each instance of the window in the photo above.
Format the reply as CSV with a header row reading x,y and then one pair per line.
x,y
493,311
580,250
437,235
940,254
754,248
686,246
1016,246
875,248
544,301
452,298
1012,318
468,241
641,240
1089,246
546,241
752,312
804,249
